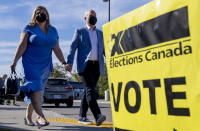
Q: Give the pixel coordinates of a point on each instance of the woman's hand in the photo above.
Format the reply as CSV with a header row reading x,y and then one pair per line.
x,y
13,67
68,67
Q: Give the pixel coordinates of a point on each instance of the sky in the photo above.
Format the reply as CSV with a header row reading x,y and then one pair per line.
x,y
65,15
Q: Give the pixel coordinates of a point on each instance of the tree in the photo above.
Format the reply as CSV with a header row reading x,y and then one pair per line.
x,y
102,85
59,72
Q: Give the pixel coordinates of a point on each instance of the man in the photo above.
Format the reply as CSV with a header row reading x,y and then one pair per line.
x,y
88,42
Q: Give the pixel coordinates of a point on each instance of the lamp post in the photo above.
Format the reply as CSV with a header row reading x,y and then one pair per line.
x,y
108,8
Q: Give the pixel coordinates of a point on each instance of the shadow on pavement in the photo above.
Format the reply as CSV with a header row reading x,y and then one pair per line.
x,y
11,108
60,107
77,114
69,107
7,123
6,128
80,128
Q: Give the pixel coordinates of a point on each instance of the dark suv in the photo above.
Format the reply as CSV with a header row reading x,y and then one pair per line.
x,y
58,90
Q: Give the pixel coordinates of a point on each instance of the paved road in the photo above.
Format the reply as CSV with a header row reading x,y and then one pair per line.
x,y
61,118
73,112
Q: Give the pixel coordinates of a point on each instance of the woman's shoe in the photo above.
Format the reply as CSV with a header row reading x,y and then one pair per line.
x,y
39,125
28,123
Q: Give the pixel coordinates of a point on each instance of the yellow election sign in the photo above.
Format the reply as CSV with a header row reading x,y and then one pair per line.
x,y
153,62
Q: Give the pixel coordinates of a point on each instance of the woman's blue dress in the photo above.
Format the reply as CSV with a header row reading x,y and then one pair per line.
x,y
37,59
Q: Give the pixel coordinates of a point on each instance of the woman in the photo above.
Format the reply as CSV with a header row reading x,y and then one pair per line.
x,y
37,42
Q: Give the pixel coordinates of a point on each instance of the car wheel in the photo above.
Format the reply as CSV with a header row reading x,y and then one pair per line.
x,y
57,104
69,103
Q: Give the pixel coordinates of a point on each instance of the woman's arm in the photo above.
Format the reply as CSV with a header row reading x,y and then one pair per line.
x,y
59,54
20,50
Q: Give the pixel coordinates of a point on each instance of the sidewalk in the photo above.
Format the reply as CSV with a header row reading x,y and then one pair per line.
x,y
11,119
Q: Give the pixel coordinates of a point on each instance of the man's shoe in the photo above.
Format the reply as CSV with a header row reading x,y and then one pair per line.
x,y
84,120
100,119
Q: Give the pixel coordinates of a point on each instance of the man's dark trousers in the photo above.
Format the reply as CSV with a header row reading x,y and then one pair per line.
x,y
90,75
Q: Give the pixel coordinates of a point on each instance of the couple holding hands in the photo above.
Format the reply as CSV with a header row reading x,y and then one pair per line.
x,y
37,42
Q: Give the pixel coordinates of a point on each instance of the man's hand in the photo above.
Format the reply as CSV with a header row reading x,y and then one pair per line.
x,y
68,67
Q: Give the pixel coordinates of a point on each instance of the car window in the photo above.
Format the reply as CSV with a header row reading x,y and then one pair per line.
x,y
56,82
